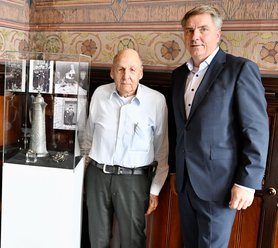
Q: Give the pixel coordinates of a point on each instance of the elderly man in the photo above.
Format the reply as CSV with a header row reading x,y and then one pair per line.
x,y
127,137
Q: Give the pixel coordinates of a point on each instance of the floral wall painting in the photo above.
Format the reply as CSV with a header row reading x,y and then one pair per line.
x,y
269,52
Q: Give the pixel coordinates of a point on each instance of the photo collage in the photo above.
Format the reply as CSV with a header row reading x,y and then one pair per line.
x,y
68,81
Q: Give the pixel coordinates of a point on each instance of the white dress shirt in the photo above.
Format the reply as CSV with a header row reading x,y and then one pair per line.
x,y
194,79
129,132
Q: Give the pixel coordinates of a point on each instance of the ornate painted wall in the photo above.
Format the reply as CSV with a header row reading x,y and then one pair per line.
x,y
100,28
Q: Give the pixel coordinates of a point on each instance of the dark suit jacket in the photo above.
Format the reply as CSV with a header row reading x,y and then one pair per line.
x,y
225,138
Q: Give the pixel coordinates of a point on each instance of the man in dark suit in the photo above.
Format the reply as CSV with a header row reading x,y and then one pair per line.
x,y
222,132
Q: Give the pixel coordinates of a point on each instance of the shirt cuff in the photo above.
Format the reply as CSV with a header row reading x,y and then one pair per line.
x,y
246,188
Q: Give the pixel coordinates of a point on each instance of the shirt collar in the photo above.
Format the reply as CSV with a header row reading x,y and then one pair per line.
x,y
204,64
138,97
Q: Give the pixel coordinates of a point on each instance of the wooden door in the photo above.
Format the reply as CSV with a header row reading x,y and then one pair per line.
x,y
256,227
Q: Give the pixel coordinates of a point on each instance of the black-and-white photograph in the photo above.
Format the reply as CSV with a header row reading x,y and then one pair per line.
x,y
66,77
65,113
16,75
83,78
41,76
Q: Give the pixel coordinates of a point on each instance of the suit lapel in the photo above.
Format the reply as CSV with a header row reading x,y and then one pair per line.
x,y
181,93
212,73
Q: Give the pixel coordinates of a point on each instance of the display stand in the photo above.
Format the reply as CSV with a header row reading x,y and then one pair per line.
x,y
45,108
41,206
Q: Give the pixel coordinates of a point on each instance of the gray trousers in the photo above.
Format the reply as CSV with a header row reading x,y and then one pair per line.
x,y
126,196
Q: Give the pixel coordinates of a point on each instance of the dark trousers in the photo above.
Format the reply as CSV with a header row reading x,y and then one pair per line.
x,y
126,196
205,224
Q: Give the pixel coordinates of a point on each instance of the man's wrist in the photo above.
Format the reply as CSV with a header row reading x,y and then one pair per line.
x,y
244,187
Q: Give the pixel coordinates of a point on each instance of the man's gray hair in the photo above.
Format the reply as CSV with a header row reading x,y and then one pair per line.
x,y
204,9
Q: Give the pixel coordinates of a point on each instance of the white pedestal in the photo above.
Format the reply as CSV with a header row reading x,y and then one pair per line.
x,y
41,206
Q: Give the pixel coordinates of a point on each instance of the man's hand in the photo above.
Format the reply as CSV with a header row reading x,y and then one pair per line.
x,y
153,202
240,198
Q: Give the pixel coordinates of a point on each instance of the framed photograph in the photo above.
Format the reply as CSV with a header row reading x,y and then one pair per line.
x,y
66,77
65,113
16,75
41,76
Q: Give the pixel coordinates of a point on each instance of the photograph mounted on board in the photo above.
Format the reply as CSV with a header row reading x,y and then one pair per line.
x,y
15,75
66,77
41,76
65,113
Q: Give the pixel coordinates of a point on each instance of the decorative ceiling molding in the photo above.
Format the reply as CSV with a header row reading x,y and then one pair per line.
x,y
14,2
133,14
70,3
14,25
151,26
247,25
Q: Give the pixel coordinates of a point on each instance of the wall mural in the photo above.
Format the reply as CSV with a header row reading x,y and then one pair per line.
x,y
157,49
100,30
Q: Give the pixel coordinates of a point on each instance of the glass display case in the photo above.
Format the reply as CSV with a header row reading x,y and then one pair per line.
x,y
45,111
45,99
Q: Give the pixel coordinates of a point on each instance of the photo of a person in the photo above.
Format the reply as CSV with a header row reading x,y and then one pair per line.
x,y
66,77
65,113
84,75
16,75
70,75
41,76
69,115
83,80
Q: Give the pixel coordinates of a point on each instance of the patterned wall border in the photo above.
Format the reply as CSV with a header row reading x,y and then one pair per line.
x,y
159,50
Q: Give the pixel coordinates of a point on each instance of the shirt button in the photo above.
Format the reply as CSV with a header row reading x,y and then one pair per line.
x,y
192,89
189,104
197,75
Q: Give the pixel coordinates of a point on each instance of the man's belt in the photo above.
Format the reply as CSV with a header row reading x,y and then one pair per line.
x,y
120,170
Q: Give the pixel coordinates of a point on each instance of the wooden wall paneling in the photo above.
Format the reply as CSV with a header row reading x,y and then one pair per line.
x,y
2,82
246,222
275,241
1,119
268,223
163,226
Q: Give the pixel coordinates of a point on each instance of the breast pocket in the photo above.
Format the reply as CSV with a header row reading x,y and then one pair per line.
x,y
142,137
